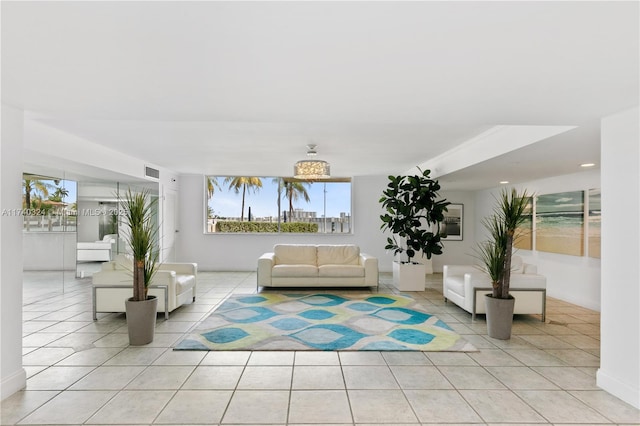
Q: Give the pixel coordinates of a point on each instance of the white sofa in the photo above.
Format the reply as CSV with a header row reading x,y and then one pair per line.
x,y
323,265
174,284
466,285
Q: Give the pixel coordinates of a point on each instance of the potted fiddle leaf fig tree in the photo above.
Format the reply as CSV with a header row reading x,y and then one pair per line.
x,y
413,213
496,254
138,208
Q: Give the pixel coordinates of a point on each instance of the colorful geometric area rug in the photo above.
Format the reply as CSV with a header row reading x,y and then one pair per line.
x,y
322,322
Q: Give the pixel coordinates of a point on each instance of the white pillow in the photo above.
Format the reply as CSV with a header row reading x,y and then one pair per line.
x,y
338,254
295,254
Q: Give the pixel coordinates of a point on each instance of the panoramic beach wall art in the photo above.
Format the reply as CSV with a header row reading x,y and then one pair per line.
x,y
524,232
593,236
453,222
560,223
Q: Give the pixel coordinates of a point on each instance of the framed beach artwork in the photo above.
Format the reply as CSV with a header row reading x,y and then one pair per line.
x,y
560,223
524,232
452,223
593,236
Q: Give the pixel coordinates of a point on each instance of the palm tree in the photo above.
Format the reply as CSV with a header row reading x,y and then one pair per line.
x,y
212,184
510,211
59,194
293,191
36,187
244,182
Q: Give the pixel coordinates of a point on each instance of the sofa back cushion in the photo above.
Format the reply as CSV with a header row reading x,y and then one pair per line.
x,y
343,254
123,261
517,266
295,254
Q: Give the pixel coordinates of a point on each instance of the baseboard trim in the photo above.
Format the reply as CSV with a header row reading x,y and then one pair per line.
x,y
12,384
618,389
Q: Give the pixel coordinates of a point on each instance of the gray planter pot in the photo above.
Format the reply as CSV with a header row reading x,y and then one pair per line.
x,y
499,316
141,320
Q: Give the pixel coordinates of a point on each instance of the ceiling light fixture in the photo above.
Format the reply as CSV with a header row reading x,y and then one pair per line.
x,y
311,169
504,182
587,164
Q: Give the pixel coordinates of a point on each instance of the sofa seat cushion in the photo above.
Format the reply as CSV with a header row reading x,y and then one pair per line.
x,y
340,271
294,271
295,254
184,283
341,254
455,283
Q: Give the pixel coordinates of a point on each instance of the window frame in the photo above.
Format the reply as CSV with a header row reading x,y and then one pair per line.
x,y
349,214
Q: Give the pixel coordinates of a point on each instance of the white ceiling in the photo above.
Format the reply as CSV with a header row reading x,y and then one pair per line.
x,y
242,87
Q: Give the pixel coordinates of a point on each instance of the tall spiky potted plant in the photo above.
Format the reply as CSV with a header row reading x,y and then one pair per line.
x,y
142,241
496,255
413,213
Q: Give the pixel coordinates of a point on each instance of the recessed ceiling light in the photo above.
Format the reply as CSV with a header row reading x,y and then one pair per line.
x,y
504,182
587,164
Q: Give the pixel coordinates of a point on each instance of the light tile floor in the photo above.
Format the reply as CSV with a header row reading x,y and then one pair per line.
x,y
84,372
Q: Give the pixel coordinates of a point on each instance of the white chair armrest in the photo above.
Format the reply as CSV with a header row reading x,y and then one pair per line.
x,y
370,264
167,278
476,279
460,269
455,270
164,278
265,264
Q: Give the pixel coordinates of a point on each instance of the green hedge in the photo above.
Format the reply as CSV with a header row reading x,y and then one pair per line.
x,y
249,227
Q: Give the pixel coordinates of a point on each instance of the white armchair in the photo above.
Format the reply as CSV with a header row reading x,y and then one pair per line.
x,y
466,285
174,284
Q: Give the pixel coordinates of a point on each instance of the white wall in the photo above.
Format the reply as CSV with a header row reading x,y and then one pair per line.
x,y
49,251
12,376
459,252
88,224
619,372
240,252
575,279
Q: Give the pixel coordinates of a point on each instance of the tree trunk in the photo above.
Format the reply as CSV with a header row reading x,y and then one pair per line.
x,y
496,289
244,190
506,277
139,289
290,204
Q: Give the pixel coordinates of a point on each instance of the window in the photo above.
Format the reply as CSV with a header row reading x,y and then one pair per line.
x,y
249,204
48,204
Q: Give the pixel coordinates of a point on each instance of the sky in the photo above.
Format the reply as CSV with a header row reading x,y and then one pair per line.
x,y
263,203
69,185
